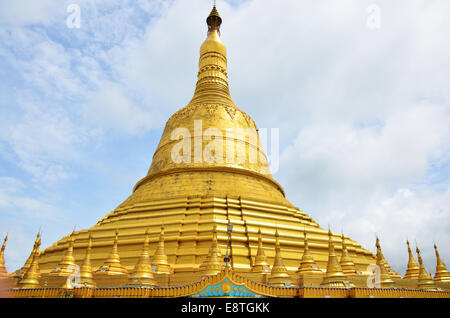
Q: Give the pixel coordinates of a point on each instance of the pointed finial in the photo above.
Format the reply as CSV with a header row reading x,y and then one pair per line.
x,y
214,20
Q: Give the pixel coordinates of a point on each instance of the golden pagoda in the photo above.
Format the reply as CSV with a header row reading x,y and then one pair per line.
x,y
19,273
213,264
425,281
389,270
31,276
159,260
194,194
442,274
385,277
142,274
209,171
347,265
67,265
112,265
3,271
307,264
279,275
86,276
260,265
334,276
412,272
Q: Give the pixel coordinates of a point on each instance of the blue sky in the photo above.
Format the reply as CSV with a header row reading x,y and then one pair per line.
x,y
363,113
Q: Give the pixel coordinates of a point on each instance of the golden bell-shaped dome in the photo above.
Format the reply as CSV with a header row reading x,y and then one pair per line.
x,y
222,142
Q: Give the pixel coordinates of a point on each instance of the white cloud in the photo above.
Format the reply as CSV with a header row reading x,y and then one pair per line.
x,y
24,12
374,179
13,197
111,108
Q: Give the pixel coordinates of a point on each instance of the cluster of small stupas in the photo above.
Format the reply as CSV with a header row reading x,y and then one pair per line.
x,y
154,271
170,236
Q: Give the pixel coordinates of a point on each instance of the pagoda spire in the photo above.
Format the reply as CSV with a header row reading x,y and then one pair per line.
x,y
412,272
425,279
112,265
67,265
31,276
385,277
214,263
307,264
3,271
19,274
261,265
86,277
389,270
212,78
334,276
159,259
279,275
347,265
442,274
142,274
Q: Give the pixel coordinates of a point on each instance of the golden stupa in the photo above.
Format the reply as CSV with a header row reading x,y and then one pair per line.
x,y
173,229
191,198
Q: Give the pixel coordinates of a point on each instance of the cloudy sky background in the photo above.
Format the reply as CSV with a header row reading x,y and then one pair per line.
x,y
364,114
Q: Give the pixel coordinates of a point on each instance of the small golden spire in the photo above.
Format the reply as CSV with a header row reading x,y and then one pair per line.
x,y
389,270
67,265
19,274
31,276
279,275
142,273
425,279
442,274
86,277
159,259
334,276
112,265
385,277
412,272
3,271
307,264
347,265
214,264
261,265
